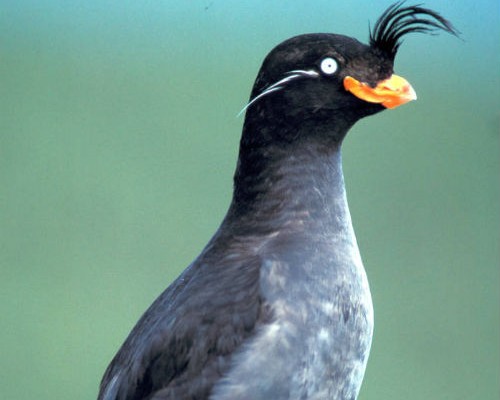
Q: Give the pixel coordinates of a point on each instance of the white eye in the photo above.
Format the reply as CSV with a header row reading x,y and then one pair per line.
x,y
328,65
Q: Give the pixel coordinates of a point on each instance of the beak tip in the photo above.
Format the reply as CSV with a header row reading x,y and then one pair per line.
x,y
412,94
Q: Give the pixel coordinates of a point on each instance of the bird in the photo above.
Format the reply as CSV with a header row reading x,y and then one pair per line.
x,y
277,306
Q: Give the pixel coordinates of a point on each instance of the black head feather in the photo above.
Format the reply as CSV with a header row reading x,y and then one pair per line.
x,y
397,21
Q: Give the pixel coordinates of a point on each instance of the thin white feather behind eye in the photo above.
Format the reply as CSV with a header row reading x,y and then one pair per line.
x,y
296,73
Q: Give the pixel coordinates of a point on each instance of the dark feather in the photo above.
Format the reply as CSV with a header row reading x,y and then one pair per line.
x,y
398,21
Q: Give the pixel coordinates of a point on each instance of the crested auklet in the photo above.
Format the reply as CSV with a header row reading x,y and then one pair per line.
x,y
277,306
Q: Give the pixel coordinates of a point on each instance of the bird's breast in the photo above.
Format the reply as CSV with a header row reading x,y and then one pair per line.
x,y
318,340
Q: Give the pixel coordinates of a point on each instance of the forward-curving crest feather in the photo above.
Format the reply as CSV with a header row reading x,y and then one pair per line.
x,y
398,21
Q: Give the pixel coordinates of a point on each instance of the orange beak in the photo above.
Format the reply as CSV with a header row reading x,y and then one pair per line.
x,y
391,92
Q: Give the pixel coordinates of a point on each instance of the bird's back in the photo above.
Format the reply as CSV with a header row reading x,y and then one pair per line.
x,y
183,343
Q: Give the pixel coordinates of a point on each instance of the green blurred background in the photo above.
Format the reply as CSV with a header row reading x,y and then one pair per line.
x,y
118,141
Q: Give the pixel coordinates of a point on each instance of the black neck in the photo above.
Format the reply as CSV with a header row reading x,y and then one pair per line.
x,y
290,184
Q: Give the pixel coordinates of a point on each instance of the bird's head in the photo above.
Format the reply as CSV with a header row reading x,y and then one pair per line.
x,y
318,78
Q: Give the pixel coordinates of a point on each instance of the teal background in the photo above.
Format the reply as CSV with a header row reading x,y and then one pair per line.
x,y
118,141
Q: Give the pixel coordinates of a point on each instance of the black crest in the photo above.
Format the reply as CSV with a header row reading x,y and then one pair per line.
x,y
397,21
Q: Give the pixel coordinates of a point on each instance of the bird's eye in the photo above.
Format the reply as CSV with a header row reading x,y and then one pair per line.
x,y
328,66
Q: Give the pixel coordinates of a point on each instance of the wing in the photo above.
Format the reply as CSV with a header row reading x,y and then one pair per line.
x,y
183,343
